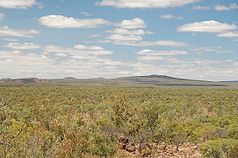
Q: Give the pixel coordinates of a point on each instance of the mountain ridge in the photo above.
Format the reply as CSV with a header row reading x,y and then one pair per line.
x,y
149,80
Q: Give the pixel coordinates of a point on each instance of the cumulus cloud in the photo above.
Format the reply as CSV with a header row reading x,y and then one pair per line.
x,y
145,4
136,23
120,38
8,32
23,46
228,7
221,29
206,26
127,31
131,33
93,50
170,16
18,4
60,22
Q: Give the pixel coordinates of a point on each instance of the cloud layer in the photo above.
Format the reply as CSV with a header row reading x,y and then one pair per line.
x,y
52,61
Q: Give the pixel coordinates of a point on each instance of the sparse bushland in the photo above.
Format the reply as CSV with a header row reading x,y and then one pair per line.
x,y
88,121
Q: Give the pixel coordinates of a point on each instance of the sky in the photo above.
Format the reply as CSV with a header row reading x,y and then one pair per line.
x,y
195,39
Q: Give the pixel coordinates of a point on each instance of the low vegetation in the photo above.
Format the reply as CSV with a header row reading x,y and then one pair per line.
x,y
89,121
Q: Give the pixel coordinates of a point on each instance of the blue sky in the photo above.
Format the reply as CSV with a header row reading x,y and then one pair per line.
x,y
195,39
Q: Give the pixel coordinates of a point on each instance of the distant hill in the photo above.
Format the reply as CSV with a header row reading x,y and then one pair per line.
x,y
229,81
163,80
23,81
151,80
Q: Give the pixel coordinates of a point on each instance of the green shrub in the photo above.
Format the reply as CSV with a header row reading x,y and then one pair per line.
x,y
219,148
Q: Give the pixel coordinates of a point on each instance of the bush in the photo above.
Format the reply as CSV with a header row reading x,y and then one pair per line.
x,y
219,148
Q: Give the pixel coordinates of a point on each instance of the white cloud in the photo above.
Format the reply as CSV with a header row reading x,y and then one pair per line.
x,y
136,23
8,32
226,7
150,55
80,61
221,29
201,7
93,50
95,36
19,64
195,69
219,7
165,43
23,46
18,4
139,42
1,16
162,53
121,38
131,33
145,4
60,22
211,49
78,50
206,26
57,49
170,16
127,31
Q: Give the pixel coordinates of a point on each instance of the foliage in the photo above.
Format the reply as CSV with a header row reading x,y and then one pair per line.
x,y
220,148
87,121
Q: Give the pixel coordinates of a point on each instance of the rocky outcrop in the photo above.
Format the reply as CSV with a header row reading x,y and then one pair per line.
x,y
186,150
123,142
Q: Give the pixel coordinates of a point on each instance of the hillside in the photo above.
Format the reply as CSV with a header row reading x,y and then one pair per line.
x,y
163,80
151,80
